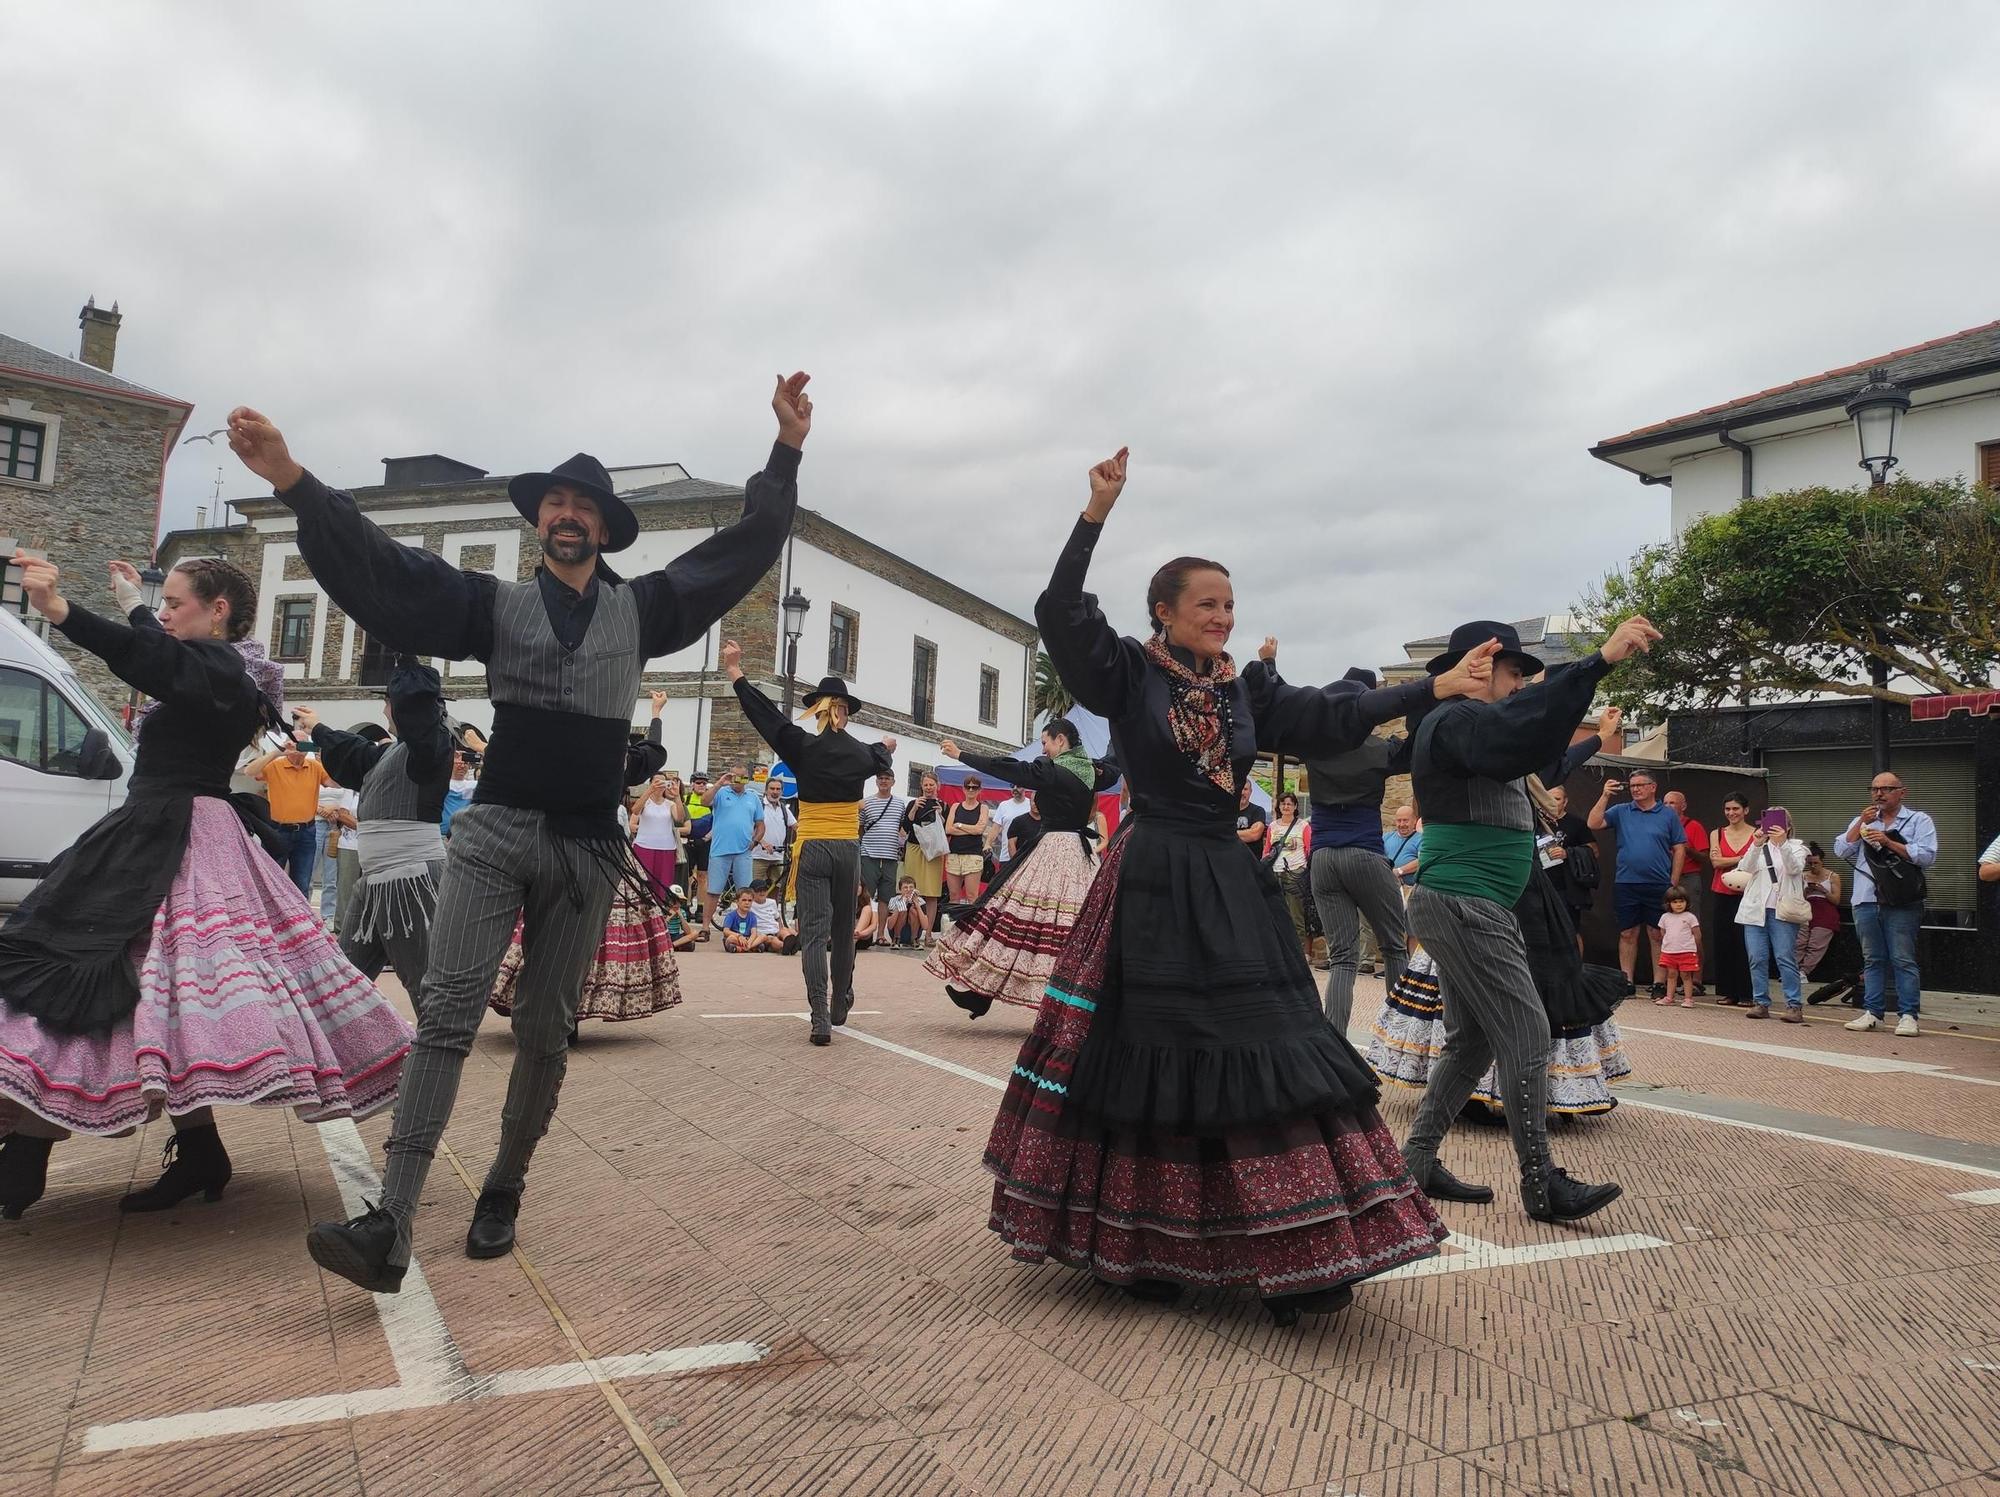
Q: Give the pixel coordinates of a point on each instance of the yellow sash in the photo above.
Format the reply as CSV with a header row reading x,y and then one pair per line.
x,y
823,821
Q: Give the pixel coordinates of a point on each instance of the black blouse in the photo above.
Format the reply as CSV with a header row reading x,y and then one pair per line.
x,y
209,708
1063,802
1113,678
830,767
416,709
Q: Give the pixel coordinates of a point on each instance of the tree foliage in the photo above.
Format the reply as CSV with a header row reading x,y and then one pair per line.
x,y
1802,592
1051,696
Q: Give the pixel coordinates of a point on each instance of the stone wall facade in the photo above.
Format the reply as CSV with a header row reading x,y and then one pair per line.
x,y
98,501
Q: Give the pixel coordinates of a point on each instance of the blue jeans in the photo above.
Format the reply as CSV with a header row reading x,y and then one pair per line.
x,y
1777,939
730,870
298,846
1889,940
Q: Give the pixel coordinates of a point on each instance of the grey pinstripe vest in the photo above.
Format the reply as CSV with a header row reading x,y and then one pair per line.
x,y
387,792
530,668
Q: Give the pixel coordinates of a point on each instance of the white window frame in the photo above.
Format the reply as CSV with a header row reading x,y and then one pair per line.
x,y
16,409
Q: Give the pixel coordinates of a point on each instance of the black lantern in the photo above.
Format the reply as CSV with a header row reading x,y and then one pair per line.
x,y
151,580
1877,412
795,607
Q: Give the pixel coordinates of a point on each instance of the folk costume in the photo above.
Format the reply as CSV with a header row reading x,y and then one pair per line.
x,y
543,840
1005,947
634,973
1183,1113
832,767
1491,920
167,963
402,783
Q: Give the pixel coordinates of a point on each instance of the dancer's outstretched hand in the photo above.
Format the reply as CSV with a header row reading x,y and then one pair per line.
x,y
1107,482
1633,637
948,747
1470,675
1268,650
261,445
39,579
794,408
889,744
732,659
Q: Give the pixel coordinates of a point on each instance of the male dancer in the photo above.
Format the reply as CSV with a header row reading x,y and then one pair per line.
x,y
543,837
1472,759
833,767
403,784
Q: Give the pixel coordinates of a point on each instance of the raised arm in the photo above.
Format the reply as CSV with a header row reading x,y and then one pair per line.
x,y
769,720
1521,735
1320,721
679,602
405,596
647,757
1102,671
199,672
346,756
1030,774
416,708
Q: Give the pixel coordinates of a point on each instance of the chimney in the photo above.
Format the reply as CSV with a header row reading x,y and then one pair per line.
x,y
100,334
201,517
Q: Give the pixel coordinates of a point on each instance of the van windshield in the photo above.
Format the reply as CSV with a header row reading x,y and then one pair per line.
x,y
85,700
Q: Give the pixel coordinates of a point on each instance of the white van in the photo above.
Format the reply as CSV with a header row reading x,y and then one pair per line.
x,y
64,760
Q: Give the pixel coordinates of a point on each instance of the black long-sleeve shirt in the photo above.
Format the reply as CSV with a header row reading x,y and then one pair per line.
x,y
416,710
416,601
829,767
1063,802
1113,678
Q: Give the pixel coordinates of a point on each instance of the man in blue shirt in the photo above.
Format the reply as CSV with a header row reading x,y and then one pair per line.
x,y
737,809
1405,846
1888,830
1652,850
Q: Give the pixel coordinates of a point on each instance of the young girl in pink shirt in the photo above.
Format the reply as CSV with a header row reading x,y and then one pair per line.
x,y
1680,955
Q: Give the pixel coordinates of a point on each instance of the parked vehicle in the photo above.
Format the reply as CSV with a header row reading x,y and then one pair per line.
x,y
64,759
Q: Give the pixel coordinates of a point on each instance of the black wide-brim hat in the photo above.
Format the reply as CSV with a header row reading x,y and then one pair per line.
x,y
832,686
1471,636
586,474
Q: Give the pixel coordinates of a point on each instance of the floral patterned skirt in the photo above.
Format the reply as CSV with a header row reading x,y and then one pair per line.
x,y
633,975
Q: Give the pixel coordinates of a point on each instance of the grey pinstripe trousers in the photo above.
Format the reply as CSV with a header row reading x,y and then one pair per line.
x,y
502,862
1492,1015
1349,883
409,955
829,876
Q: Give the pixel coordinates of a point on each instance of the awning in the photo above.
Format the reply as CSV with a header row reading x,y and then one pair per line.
x,y
1972,703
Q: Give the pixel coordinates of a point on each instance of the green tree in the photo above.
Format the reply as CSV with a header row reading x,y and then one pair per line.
x,y
1817,590
1051,696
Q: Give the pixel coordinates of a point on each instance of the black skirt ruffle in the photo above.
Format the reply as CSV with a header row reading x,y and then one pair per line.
x,y
1210,1020
1576,994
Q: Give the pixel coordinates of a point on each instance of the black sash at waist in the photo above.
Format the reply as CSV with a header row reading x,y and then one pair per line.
x,y
564,763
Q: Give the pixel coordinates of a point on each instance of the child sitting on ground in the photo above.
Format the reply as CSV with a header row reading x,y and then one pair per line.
x,y
739,927
905,925
770,921
1680,950
678,930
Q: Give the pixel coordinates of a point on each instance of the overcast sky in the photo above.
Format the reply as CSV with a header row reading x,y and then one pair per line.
x,y
1358,284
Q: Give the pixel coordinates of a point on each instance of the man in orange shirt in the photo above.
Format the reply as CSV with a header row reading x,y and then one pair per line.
x,y
292,779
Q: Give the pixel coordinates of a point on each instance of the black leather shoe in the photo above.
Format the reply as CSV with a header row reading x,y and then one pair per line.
x,y
1561,1199
359,1250
1285,1309
821,1037
24,1173
841,1008
491,1234
1440,1184
195,1161
975,1004
1153,1291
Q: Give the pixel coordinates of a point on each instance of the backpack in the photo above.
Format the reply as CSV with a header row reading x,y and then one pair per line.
x,y
1899,883
1585,872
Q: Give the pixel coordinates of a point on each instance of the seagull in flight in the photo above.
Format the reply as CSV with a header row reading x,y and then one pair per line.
x,y
208,437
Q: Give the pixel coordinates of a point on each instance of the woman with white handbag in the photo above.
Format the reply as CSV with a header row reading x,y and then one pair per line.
x,y
1774,912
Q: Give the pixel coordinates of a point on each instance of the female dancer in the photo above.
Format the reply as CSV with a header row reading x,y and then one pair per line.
x,y
832,766
1005,948
927,871
167,964
1728,845
1183,1113
965,827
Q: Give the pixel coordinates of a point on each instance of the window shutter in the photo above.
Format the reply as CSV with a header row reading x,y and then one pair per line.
x,y
1989,464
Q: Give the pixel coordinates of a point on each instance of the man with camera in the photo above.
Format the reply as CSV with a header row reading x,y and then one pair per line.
x,y
1890,846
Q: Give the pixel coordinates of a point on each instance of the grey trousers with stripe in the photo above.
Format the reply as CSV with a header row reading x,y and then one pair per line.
x,y
1350,884
502,863
1492,1015
829,876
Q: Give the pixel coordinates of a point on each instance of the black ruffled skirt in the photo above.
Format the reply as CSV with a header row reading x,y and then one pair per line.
x,y
1575,993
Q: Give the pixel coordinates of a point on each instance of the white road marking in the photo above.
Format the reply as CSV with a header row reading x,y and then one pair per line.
x,y
930,1060
1979,1197
1626,1099
1838,1060
430,1369
1475,1253
790,1013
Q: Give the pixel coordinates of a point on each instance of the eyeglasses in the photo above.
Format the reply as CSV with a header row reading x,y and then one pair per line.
x,y
1883,789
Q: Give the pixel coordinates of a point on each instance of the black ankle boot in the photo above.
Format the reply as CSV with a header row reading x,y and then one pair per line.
x,y
975,1004
491,1234
1285,1309
1559,1199
195,1161
24,1173
359,1250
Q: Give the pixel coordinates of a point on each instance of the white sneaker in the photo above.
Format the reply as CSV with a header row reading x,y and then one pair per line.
x,y
1864,1021
1907,1025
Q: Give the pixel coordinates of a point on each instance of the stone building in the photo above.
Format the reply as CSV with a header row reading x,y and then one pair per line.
x,y
928,658
83,459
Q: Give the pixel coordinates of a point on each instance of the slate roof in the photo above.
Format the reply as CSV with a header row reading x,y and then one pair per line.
x,y
1973,351
39,363
1534,633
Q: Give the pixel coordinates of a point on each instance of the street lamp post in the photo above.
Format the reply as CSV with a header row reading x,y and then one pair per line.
x,y
1877,412
151,580
795,608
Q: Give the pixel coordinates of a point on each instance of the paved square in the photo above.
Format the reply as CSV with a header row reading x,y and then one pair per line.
x,y
752,1266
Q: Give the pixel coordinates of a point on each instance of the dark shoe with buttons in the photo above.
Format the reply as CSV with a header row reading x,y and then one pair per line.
x,y
195,1162
359,1250
1559,1199
491,1234
24,1173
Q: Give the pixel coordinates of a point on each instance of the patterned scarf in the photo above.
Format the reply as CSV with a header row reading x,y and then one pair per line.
x,y
1197,709
263,671
1077,762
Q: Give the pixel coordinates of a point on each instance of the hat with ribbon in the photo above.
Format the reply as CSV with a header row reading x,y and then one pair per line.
x,y
832,686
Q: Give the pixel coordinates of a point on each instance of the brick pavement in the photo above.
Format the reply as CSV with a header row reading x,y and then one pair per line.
x,y
1777,1315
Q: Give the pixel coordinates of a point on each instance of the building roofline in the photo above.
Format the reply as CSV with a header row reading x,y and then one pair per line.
x,y
124,390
